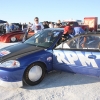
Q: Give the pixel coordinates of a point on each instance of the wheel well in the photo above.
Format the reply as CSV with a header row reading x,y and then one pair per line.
x,y
42,64
36,62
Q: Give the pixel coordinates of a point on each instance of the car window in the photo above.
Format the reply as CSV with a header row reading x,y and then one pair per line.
x,y
72,44
92,42
85,42
82,42
74,24
69,44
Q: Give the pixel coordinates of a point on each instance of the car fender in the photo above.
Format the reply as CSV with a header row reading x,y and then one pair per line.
x,y
42,56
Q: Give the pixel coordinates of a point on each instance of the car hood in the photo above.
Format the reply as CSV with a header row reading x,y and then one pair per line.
x,y
18,50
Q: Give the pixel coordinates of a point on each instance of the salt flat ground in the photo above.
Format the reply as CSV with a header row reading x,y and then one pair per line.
x,y
56,86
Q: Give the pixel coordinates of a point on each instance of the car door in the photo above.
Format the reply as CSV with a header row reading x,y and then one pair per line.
x,y
71,56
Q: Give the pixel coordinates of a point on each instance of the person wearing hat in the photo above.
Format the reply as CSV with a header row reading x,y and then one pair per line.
x,y
70,32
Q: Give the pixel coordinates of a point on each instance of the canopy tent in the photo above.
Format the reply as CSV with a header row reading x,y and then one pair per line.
x,y
2,21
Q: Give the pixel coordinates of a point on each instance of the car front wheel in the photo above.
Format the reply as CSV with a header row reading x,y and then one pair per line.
x,y
34,74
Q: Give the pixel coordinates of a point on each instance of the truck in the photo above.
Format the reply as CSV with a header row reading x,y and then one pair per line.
x,y
92,22
75,24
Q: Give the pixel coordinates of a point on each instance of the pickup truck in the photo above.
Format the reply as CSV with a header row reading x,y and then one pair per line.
x,y
75,24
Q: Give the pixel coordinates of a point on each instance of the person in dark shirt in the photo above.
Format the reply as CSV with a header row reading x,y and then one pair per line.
x,y
20,26
45,25
12,27
1,29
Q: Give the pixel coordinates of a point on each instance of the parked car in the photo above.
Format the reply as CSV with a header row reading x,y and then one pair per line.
x,y
2,25
13,36
98,29
44,52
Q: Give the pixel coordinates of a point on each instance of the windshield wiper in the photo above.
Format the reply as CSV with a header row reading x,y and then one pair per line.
x,y
30,44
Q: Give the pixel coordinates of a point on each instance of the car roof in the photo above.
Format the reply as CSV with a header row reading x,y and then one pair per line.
x,y
88,34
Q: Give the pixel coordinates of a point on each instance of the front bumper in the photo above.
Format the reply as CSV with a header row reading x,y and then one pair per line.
x,y
11,77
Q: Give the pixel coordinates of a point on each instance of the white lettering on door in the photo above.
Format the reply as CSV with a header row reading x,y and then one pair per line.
x,y
61,57
71,56
85,61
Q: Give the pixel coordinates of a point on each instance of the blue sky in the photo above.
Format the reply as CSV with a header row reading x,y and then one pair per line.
x,y
51,10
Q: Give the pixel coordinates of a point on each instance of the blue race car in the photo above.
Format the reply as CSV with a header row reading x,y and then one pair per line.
x,y
44,52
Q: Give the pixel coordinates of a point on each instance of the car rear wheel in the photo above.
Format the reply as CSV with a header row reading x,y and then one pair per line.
x,y
34,74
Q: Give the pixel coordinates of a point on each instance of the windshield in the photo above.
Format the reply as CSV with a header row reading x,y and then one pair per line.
x,y
74,24
43,38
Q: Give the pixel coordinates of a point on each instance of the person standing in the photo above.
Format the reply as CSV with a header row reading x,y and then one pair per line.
x,y
45,25
36,27
51,25
59,23
7,28
20,26
11,27
29,25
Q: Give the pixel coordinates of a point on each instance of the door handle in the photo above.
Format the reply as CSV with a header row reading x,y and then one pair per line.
x,y
92,56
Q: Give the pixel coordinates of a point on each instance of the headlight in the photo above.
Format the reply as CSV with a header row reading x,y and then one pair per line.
x,y
10,64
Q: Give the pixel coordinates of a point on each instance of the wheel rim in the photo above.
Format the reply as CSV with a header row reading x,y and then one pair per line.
x,y
35,73
13,39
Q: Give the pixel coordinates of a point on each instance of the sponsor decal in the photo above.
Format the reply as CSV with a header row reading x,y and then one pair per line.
x,y
78,58
49,59
4,53
56,34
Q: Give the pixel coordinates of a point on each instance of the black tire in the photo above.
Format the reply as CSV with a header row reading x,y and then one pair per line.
x,y
26,74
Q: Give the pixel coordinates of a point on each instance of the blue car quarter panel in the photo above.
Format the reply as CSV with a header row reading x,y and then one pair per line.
x,y
84,62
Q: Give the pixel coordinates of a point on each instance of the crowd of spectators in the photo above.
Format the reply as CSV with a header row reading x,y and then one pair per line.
x,y
6,28
37,26
10,27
